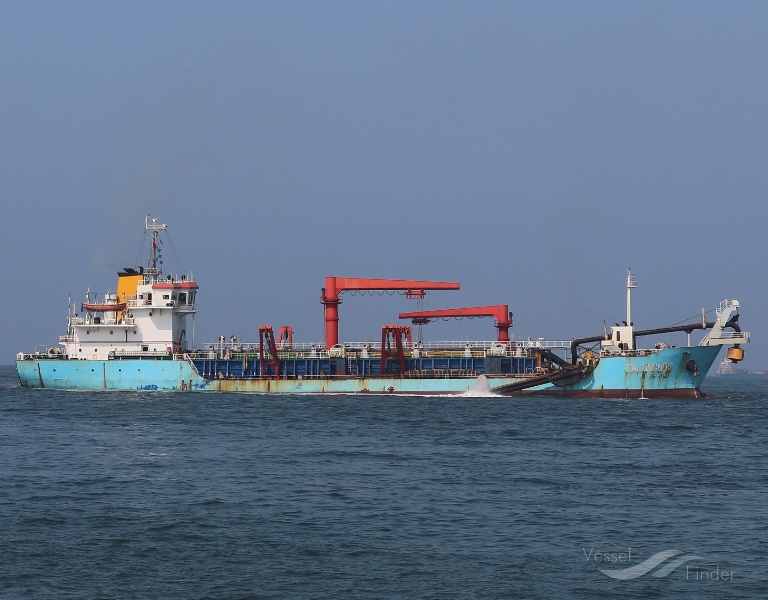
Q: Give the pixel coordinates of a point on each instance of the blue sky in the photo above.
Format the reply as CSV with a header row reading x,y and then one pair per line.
x,y
531,151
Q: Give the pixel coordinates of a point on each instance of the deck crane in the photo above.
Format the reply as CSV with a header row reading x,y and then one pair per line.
x,y
500,312
334,286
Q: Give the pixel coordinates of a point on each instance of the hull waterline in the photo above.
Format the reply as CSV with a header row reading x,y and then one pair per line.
x,y
661,374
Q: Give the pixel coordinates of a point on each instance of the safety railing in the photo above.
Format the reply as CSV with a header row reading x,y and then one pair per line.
x,y
451,348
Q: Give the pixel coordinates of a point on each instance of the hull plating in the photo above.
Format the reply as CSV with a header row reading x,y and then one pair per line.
x,y
671,372
666,373
149,375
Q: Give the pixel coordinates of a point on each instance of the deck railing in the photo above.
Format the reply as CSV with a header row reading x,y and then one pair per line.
x,y
451,349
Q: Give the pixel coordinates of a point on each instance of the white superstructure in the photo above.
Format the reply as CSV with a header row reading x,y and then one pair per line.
x,y
146,317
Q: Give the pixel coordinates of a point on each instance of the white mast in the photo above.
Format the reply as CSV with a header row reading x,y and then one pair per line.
x,y
631,283
154,258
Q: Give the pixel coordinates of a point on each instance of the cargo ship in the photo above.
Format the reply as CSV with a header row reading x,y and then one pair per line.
x,y
136,339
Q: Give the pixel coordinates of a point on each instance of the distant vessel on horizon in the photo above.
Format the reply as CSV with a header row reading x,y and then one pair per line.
x,y
726,368
136,339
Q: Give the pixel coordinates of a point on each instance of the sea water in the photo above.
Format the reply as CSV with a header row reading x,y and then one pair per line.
x,y
214,495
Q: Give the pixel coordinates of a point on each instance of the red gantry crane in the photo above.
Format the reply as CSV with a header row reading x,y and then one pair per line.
x,y
334,286
500,312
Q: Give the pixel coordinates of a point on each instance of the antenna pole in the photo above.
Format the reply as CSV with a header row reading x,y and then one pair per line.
x,y
631,283
154,258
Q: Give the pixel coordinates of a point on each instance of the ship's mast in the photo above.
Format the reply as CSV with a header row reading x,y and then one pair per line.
x,y
631,283
155,257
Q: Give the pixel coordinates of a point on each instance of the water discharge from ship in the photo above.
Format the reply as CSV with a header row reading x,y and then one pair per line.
x,y
480,389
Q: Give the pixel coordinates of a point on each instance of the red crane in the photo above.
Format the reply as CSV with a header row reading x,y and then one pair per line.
x,y
393,341
334,286
500,312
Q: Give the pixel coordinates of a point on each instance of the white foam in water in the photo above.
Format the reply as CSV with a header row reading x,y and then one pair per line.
x,y
480,389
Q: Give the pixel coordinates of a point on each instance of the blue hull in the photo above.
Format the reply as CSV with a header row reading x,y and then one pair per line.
x,y
666,373
147,374
671,372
